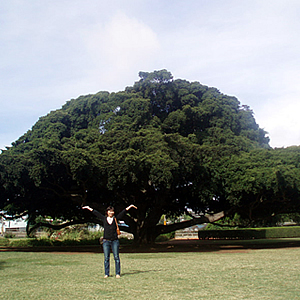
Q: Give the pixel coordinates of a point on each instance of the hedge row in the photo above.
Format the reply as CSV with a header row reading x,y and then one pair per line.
x,y
45,242
33,242
251,233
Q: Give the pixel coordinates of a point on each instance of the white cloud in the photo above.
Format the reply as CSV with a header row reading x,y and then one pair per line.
x,y
250,51
58,50
282,122
121,48
279,114
129,40
51,56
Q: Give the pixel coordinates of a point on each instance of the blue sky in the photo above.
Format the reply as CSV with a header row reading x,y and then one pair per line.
x,y
56,50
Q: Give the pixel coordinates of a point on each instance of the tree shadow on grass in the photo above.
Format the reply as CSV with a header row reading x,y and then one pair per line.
x,y
221,245
134,272
173,246
2,264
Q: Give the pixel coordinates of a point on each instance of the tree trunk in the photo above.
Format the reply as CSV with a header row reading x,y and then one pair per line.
x,y
148,235
143,230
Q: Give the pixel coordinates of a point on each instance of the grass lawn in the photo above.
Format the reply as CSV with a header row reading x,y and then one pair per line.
x,y
239,274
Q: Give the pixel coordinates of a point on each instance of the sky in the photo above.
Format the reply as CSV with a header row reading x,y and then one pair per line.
x,y
52,51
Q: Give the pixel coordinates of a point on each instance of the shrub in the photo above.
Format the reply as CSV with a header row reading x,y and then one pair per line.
x,y
251,233
21,243
76,233
165,237
9,235
4,242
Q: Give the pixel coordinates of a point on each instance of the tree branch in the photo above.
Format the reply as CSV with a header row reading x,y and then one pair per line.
x,y
59,226
209,218
24,213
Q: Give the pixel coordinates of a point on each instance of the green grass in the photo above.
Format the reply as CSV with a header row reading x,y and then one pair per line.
x,y
242,274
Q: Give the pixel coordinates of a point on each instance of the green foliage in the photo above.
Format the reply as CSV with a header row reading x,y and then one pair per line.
x,y
61,239
251,233
42,242
165,237
4,242
162,144
293,218
26,242
76,233
9,235
227,223
263,183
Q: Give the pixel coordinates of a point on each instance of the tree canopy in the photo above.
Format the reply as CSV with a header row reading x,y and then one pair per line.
x,y
164,145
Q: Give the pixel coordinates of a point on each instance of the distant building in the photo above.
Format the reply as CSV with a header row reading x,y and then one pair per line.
x,y
16,227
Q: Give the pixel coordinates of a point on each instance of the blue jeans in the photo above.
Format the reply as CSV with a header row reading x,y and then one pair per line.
x,y
114,245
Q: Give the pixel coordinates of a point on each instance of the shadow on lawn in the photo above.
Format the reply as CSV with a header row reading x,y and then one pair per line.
x,y
174,246
2,264
133,272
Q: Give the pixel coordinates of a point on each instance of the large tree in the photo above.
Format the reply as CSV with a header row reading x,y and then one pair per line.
x,y
157,144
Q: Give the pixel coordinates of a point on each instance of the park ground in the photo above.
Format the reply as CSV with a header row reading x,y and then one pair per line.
x,y
265,269
174,245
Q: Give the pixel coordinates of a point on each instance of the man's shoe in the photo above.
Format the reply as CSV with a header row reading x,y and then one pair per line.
x,y
118,276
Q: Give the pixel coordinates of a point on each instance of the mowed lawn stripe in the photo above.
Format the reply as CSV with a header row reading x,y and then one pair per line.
x,y
253,274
